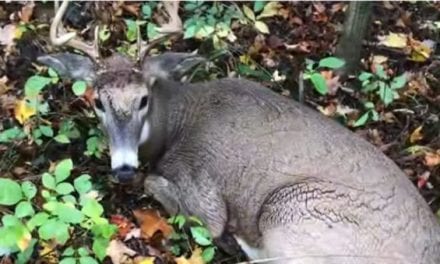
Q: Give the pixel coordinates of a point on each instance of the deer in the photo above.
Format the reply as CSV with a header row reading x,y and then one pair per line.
x,y
289,184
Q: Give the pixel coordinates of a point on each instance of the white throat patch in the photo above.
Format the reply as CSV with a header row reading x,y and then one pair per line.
x,y
145,133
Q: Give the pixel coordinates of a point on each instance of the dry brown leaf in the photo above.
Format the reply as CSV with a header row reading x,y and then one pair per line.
x,y
8,34
26,12
48,252
420,51
124,225
416,135
333,83
144,260
432,159
151,222
118,252
23,111
422,179
196,258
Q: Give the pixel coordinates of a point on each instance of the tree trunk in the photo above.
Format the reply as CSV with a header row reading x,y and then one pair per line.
x,y
355,29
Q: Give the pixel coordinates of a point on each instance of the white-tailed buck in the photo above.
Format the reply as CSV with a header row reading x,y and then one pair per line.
x,y
290,184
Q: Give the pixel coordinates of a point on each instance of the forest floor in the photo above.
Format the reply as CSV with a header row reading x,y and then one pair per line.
x,y
402,40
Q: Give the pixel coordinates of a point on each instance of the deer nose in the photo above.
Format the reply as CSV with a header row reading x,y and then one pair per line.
x,y
124,174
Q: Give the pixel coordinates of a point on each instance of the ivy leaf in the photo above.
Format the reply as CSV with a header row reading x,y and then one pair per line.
x,y
24,209
79,88
319,83
68,252
331,62
99,247
131,33
82,184
64,188
398,82
258,5
92,208
68,260
362,120
248,12
35,84
29,189
208,254
63,169
88,260
46,130
10,192
386,94
69,214
262,27
82,251
201,235
146,11
54,228
62,138
37,220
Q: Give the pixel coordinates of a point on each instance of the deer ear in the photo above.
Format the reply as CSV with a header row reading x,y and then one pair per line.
x,y
169,65
70,66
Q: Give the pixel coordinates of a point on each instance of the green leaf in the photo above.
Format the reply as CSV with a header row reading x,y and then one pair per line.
x,y
258,5
37,220
11,134
152,32
52,73
331,62
69,214
68,260
54,228
364,76
82,251
24,209
68,252
386,94
48,181
64,188
25,256
362,120
248,12
83,184
398,82
131,33
369,105
99,247
104,230
63,169
146,10
10,192
29,189
190,31
319,83
87,260
201,235
61,138
79,87
262,27
380,72
69,199
35,84
208,254
178,219
92,208
46,130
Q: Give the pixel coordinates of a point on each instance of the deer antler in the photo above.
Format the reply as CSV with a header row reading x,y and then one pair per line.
x,y
70,38
174,26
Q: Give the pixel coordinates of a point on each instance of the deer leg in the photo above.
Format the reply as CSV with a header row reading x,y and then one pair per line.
x,y
165,192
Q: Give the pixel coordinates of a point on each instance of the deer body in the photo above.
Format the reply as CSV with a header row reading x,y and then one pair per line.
x,y
289,183
284,179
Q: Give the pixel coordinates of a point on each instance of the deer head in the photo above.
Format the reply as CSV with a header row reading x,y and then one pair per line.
x,y
122,87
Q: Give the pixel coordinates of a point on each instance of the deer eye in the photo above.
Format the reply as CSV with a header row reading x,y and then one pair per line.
x,y
144,101
98,105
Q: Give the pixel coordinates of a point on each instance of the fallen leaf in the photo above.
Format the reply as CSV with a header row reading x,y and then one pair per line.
x,y
420,51
7,34
332,82
48,252
196,258
26,12
151,222
394,40
23,111
319,7
124,225
416,135
423,179
432,159
379,59
118,252
144,260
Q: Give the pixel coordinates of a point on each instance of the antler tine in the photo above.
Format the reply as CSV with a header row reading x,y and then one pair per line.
x,y
69,38
174,26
